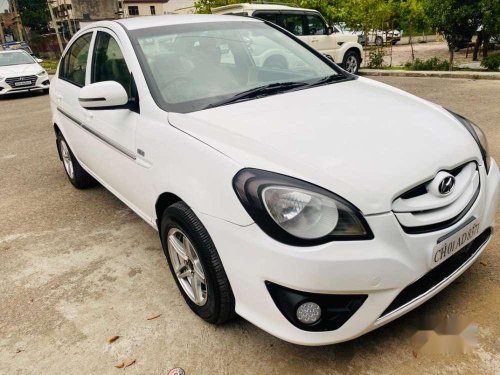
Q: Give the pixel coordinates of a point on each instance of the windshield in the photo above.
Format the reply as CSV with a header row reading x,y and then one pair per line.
x,y
15,58
195,66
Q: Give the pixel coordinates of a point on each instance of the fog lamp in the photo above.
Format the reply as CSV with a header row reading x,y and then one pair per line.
x,y
308,313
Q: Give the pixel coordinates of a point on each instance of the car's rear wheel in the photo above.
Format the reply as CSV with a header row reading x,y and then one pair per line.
x,y
379,41
351,62
76,174
195,265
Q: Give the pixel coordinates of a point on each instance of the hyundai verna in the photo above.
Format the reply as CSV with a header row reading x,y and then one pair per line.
x,y
21,72
285,194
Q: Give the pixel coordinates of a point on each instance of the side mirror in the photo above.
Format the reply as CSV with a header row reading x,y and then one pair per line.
x,y
39,61
104,95
329,30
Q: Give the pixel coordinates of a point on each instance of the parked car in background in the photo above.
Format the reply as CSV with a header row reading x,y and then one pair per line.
x,y
289,195
381,37
350,31
309,26
12,46
19,71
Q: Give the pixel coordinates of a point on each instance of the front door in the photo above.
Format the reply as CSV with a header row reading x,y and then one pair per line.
x,y
113,155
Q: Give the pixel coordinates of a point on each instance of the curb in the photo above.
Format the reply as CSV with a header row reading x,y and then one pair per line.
x,y
433,74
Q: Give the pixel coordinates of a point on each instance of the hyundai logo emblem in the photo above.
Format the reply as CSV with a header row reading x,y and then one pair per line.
x,y
446,185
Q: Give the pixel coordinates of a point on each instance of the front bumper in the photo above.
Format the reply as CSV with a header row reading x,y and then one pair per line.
x,y
41,83
380,268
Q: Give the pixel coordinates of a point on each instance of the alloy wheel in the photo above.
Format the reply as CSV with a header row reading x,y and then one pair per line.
x,y
66,157
187,266
351,64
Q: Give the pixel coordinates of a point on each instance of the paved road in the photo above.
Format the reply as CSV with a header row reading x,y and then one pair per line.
x,y
77,267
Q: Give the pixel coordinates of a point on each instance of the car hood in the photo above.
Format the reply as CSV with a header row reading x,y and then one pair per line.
x,y
17,70
363,140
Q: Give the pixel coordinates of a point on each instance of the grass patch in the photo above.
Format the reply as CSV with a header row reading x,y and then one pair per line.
x,y
49,64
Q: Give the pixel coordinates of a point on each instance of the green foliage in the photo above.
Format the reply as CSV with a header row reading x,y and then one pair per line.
x,y
491,62
433,63
490,16
455,19
34,14
376,59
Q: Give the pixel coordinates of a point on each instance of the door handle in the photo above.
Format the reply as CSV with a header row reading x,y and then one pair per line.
x,y
314,40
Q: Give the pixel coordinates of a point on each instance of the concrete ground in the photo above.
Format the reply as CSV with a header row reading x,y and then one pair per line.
x,y
78,267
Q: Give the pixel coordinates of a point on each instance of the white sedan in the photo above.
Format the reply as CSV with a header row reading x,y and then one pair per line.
x,y
285,194
21,72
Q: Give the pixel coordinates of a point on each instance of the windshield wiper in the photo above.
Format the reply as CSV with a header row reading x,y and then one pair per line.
x,y
258,92
328,79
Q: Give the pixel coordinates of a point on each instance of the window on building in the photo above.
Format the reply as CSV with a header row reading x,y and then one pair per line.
x,y
133,10
152,9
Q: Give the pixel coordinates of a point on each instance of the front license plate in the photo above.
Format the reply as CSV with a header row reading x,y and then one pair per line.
x,y
454,242
22,83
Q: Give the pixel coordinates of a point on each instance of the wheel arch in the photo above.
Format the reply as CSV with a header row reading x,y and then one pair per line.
x,y
164,200
57,131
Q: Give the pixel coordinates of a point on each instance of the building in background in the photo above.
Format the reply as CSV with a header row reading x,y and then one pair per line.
x,y
87,11
8,26
134,8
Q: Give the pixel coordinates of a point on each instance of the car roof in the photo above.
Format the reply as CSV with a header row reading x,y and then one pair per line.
x,y
136,23
13,50
248,6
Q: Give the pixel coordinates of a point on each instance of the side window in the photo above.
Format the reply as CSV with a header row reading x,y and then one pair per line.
x,y
108,63
294,23
315,24
271,17
74,63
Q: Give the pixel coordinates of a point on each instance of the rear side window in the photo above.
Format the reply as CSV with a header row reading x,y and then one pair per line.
x,y
74,63
108,63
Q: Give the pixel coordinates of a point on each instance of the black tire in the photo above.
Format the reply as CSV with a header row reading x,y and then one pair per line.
x,y
347,57
80,178
394,42
379,41
219,306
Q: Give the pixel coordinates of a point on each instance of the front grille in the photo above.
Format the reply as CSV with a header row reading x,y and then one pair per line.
x,y
437,275
12,81
422,209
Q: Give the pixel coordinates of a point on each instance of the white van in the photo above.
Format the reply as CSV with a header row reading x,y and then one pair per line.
x,y
308,25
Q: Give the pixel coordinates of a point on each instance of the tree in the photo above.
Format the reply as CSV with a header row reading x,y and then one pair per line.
x,y
411,14
490,21
455,19
34,14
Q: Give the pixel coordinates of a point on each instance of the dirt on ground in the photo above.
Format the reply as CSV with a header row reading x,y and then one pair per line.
x,y
79,267
401,53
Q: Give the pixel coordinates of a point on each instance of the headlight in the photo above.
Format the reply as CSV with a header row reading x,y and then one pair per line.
x,y
478,136
41,73
297,213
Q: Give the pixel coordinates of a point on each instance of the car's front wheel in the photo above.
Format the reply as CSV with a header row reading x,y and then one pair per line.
x,y
195,264
351,62
76,174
